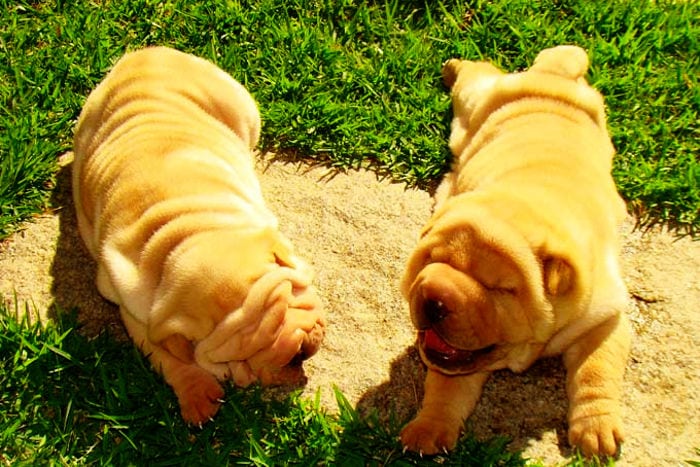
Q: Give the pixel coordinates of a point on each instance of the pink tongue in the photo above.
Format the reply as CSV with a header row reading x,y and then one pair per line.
x,y
432,341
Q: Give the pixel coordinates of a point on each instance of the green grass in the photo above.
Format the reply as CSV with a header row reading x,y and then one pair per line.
x,y
67,400
694,463
350,83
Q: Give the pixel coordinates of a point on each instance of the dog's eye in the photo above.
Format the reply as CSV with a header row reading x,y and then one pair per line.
x,y
503,290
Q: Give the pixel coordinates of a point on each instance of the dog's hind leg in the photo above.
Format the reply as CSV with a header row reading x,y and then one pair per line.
x,y
198,391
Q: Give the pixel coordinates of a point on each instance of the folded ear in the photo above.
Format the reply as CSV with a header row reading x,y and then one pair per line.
x,y
417,261
558,276
450,70
568,61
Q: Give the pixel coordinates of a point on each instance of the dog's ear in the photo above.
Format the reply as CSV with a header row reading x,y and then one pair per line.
x,y
568,61
280,247
285,256
450,70
558,276
460,75
418,260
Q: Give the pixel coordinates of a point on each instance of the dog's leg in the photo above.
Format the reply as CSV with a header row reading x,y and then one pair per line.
x,y
198,391
447,403
595,366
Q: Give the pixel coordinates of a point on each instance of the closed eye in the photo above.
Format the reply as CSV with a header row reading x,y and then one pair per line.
x,y
502,290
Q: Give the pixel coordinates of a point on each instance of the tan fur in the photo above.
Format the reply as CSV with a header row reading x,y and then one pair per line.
x,y
520,257
169,205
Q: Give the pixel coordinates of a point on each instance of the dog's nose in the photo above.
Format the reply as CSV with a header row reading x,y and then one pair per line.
x,y
434,310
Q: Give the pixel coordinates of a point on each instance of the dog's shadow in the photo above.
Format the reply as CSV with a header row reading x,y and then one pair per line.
x,y
73,270
524,408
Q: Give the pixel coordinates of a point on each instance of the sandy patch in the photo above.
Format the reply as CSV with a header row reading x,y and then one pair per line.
x,y
358,232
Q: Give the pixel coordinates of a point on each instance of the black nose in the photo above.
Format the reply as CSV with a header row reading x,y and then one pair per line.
x,y
434,310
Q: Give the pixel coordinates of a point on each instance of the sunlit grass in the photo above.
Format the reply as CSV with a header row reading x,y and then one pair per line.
x,y
351,83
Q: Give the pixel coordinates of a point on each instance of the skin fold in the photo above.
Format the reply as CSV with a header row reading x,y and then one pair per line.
x,y
169,206
520,257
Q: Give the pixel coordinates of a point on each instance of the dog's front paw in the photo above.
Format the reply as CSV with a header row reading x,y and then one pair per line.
x,y
427,435
199,397
596,435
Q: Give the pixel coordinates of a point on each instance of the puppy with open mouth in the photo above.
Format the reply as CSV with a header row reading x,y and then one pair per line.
x,y
169,206
520,257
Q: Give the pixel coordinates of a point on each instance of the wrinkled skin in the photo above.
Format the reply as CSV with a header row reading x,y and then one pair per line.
x,y
169,206
520,258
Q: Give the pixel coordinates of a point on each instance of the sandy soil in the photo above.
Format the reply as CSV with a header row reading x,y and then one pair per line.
x,y
358,232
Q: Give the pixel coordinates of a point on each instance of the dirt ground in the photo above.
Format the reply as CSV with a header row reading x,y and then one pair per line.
x,y
358,231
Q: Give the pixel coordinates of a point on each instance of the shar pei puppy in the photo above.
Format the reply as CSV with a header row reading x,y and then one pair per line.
x,y
520,257
169,206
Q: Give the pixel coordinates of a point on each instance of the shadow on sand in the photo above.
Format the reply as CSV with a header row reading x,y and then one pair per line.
x,y
520,407
73,271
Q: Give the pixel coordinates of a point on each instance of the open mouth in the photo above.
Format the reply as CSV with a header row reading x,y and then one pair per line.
x,y
446,356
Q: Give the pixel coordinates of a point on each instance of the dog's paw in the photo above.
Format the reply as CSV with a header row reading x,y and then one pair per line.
x,y
200,399
596,435
430,436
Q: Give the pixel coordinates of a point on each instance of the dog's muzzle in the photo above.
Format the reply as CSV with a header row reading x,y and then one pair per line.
x,y
439,354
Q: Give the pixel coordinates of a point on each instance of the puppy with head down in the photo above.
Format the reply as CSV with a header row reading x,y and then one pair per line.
x,y
520,258
169,206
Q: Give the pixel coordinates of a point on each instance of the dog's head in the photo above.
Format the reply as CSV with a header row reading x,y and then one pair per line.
x,y
279,325
478,294
245,311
